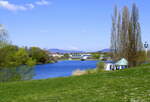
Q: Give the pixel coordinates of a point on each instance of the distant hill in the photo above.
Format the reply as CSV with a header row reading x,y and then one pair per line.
x,y
75,51
64,51
105,50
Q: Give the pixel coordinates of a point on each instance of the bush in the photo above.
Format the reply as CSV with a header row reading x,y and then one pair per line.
x,y
100,66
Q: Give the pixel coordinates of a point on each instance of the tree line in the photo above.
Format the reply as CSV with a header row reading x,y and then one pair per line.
x,y
14,56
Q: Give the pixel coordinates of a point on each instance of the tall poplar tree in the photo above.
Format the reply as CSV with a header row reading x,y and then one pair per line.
x,y
114,33
126,36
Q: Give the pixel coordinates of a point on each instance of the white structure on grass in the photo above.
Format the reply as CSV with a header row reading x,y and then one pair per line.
x,y
121,64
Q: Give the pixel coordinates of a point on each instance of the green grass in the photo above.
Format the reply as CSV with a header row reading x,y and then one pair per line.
x,y
129,85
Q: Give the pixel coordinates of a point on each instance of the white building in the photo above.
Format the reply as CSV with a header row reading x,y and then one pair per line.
x,y
56,55
80,56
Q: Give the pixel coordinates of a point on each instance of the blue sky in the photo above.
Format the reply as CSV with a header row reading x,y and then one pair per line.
x,y
66,24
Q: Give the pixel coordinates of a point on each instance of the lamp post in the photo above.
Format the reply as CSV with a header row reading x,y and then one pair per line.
x,y
146,48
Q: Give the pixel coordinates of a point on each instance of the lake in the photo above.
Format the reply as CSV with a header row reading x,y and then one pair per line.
x,y
61,68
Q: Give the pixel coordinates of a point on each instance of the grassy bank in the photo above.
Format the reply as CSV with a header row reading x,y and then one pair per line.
x,y
129,85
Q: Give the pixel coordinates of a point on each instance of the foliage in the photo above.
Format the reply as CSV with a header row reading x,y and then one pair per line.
x,y
12,56
126,36
30,62
117,86
15,62
95,55
41,56
66,56
11,60
100,65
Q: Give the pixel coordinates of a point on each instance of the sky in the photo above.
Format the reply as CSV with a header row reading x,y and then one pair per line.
x,y
66,24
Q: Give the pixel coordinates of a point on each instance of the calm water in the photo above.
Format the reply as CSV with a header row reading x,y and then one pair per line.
x,y
62,68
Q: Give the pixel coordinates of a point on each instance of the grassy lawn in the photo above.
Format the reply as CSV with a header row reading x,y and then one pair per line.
x,y
129,85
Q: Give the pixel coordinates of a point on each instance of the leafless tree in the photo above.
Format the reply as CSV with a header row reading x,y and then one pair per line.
x,y
3,36
126,36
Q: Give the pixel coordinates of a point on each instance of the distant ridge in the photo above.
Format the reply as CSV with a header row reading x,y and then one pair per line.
x,y
64,51
105,50
76,51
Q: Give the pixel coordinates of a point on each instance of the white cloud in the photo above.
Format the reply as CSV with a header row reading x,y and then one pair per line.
x,y
14,7
43,2
31,6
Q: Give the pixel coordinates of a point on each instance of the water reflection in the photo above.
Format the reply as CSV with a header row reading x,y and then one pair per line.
x,y
44,71
16,74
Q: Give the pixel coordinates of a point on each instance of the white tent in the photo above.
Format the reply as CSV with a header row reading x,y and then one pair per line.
x,y
109,66
121,64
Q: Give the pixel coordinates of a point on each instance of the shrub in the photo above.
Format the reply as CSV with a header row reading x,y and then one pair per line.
x,y
100,66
